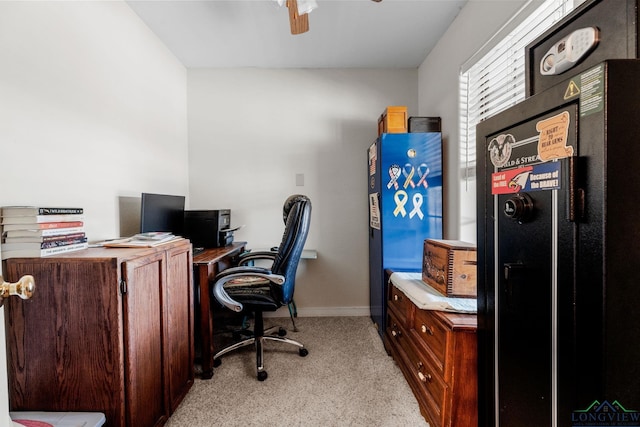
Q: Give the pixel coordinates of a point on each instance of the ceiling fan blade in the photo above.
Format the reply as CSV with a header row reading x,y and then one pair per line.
x,y
299,23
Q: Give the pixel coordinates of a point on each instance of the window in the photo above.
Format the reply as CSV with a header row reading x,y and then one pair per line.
x,y
494,78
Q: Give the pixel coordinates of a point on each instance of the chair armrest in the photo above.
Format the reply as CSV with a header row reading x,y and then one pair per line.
x,y
235,272
246,257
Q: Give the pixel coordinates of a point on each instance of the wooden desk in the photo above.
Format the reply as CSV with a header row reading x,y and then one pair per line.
x,y
207,265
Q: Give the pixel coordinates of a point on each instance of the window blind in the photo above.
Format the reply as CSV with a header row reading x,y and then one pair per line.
x,y
496,81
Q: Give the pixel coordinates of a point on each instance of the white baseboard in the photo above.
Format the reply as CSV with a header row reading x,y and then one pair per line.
x,y
323,312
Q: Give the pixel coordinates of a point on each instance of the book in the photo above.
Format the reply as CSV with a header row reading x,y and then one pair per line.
x,y
37,234
33,210
42,225
14,246
38,219
29,253
46,239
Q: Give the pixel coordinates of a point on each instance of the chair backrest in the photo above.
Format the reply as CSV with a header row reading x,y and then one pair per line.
x,y
297,214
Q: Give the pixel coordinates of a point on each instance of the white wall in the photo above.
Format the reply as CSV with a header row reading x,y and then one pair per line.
x,y
92,107
438,83
252,130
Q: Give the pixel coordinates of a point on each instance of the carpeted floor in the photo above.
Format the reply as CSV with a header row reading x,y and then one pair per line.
x,y
346,380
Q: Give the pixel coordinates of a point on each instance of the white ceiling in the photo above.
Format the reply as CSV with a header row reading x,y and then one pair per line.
x,y
256,33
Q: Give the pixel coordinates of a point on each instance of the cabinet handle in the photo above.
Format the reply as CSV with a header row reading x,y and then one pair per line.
x,y
23,288
424,378
396,297
419,365
427,329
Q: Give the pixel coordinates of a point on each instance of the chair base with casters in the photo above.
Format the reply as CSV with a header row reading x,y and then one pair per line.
x,y
258,337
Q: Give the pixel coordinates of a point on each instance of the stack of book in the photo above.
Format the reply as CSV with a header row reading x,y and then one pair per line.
x,y
29,231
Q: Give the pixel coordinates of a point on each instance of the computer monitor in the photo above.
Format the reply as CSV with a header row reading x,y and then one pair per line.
x,y
162,212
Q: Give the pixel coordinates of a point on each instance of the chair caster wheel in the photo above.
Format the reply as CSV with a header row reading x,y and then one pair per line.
x,y
282,332
262,375
303,352
216,362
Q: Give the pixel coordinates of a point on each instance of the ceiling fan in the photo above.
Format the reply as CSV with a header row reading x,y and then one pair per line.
x,y
299,14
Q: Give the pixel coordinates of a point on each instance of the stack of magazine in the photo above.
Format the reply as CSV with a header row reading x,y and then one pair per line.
x,y
30,231
142,240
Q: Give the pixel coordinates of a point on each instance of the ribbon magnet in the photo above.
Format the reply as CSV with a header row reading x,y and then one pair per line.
x,y
423,171
417,204
394,174
401,199
408,175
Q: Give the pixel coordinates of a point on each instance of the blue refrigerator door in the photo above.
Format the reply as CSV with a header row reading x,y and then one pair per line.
x,y
411,202
405,201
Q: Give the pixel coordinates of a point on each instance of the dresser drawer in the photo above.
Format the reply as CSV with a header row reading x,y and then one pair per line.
x,y
395,334
427,385
401,304
394,327
431,337
426,376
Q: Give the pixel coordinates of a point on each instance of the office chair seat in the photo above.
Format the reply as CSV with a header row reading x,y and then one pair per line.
x,y
253,295
254,290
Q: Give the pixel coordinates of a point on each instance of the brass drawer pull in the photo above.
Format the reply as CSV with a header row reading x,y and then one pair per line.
x,y
427,329
394,331
424,378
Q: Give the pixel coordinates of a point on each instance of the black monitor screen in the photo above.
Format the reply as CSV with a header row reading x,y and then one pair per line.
x,y
162,212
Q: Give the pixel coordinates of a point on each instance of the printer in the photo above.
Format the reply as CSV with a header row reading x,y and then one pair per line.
x,y
208,228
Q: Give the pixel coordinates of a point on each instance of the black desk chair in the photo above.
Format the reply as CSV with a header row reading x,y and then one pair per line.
x,y
252,289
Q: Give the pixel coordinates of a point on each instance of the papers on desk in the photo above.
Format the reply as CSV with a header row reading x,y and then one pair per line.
x,y
141,242
427,298
155,236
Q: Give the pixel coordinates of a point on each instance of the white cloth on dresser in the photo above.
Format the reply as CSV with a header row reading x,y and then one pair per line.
x,y
427,298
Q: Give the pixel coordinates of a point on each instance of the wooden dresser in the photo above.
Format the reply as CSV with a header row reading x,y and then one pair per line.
x,y
437,353
107,330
